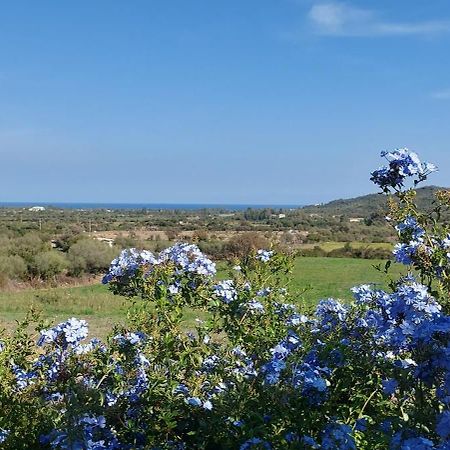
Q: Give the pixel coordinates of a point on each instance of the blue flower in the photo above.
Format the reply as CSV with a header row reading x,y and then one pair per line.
x,y
410,227
337,436
207,405
226,291
65,334
443,425
264,255
361,424
194,401
253,442
310,442
401,164
3,435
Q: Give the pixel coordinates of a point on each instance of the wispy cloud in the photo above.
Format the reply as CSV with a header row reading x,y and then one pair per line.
x,y
441,95
343,19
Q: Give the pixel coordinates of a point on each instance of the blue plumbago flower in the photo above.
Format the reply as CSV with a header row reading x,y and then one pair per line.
x,y
3,435
255,442
337,436
23,378
264,255
362,293
443,425
446,245
194,401
290,314
272,369
405,253
188,258
244,365
174,288
65,334
446,241
254,306
309,377
88,432
402,320
408,440
418,443
331,313
386,426
264,292
181,389
389,386
226,291
94,344
207,405
210,363
291,436
410,227
401,164
130,338
310,442
127,263
361,424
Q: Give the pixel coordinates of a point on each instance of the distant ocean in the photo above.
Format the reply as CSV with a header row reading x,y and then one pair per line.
x,y
153,206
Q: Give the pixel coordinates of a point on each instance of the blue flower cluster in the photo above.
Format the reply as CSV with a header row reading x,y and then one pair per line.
x,y
128,262
337,436
3,435
264,255
402,164
92,433
225,290
187,258
272,370
69,333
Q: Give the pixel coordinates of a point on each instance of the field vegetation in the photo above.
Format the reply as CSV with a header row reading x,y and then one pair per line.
x,y
314,278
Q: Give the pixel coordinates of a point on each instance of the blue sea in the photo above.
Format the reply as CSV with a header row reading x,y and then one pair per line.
x,y
152,206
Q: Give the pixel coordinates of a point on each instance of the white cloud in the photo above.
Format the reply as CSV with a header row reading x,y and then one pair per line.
x,y
342,19
441,95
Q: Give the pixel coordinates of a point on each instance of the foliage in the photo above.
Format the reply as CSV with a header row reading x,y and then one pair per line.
x,y
258,371
49,264
89,255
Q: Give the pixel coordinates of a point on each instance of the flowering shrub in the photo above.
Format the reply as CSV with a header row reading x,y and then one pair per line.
x,y
259,371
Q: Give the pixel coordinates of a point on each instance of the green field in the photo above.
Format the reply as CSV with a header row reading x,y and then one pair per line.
x,y
321,277
333,245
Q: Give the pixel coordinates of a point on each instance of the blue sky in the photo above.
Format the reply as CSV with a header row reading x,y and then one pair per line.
x,y
238,101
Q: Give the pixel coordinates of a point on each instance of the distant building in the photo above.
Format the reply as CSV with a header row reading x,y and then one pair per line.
x,y
36,208
356,219
281,216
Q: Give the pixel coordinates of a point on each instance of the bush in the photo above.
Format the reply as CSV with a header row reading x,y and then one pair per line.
x,y
13,267
28,246
49,264
259,372
89,256
244,244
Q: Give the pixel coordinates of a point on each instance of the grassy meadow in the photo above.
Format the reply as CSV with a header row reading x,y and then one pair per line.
x,y
316,277
334,245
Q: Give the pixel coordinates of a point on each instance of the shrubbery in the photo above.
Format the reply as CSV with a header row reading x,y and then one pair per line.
x,y
258,371
89,256
31,257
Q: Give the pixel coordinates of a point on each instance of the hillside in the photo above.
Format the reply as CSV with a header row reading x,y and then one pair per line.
x,y
369,205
